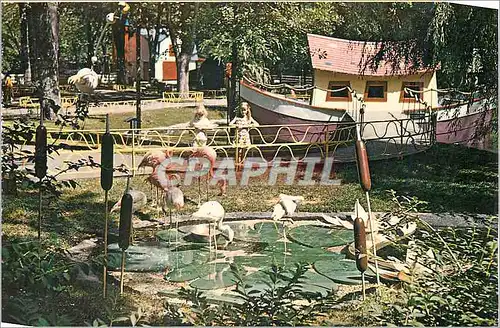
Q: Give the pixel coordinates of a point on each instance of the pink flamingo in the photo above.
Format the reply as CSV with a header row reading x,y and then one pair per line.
x,y
210,154
152,159
173,199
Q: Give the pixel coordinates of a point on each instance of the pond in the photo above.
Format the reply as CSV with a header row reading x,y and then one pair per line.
x,y
185,258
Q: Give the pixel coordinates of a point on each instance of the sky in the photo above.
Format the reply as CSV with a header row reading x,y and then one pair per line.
x,y
487,4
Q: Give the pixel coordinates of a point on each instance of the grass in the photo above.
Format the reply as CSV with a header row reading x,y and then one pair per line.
x,y
150,118
450,178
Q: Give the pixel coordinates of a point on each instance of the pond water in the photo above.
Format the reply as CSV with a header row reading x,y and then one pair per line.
x,y
184,255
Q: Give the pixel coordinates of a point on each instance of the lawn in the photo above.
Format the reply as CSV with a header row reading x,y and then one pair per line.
x,y
450,178
150,118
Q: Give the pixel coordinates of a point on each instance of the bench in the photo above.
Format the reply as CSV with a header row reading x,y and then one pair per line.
x,y
29,103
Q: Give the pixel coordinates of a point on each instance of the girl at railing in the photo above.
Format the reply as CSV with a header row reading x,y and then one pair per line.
x,y
242,124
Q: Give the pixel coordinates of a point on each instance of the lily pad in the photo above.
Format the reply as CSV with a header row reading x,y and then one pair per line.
x,y
295,253
188,272
316,236
169,235
275,254
153,258
220,277
341,271
266,232
258,282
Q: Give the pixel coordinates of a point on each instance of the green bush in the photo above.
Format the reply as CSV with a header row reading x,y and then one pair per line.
x,y
461,289
280,304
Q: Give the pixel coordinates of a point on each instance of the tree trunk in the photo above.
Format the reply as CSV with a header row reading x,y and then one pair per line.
x,y
25,50
153,49
182,61
231,95
119,38
90,46
43,28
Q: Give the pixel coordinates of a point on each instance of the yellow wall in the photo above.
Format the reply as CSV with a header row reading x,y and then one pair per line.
x,y
394,84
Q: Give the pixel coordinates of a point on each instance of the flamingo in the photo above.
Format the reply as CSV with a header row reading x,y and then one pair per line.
x,y
154,158
210,154
174,199
286,206
213,212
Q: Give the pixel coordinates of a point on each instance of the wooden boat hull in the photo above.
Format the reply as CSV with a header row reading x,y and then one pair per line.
x,y
294,121
469,125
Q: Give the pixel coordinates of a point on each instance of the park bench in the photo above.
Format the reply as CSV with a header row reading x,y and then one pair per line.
x,y
119,87
67,102
214,94
29,103
176,97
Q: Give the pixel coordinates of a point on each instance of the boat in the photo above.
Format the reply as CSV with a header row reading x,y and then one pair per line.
x,y
397,103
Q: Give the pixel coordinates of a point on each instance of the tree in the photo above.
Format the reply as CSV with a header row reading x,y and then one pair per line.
x,y
81,24
24,44
11,43
151,18
182,23
43,28
250,37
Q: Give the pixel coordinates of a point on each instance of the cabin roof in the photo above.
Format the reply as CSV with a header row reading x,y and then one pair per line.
x,y
353,57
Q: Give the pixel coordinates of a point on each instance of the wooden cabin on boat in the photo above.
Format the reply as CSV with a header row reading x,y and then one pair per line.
x,y
338,63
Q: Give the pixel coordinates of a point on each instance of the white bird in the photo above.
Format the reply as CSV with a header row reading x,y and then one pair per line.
x,y
139,200
86,80
285,207
213,212
288,206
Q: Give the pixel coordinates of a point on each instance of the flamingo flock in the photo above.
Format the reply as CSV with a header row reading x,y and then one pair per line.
x,y
165,181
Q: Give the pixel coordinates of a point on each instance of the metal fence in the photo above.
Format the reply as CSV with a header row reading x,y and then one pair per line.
x,y
394,138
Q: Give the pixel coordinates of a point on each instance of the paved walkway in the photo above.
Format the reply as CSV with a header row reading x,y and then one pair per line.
x,y
101,110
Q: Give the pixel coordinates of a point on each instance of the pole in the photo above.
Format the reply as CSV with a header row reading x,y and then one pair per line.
x,y
373,238
122,272
105,269
40,210
363,285
138,76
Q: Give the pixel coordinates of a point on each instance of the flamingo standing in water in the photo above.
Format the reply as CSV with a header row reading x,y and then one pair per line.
x,y
173,199
286,206
213,212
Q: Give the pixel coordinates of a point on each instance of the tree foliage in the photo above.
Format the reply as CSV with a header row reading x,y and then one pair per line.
x,y
11,37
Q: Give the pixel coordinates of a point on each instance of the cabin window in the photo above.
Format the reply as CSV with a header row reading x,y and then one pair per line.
x,y
342,93
376,91
415,86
